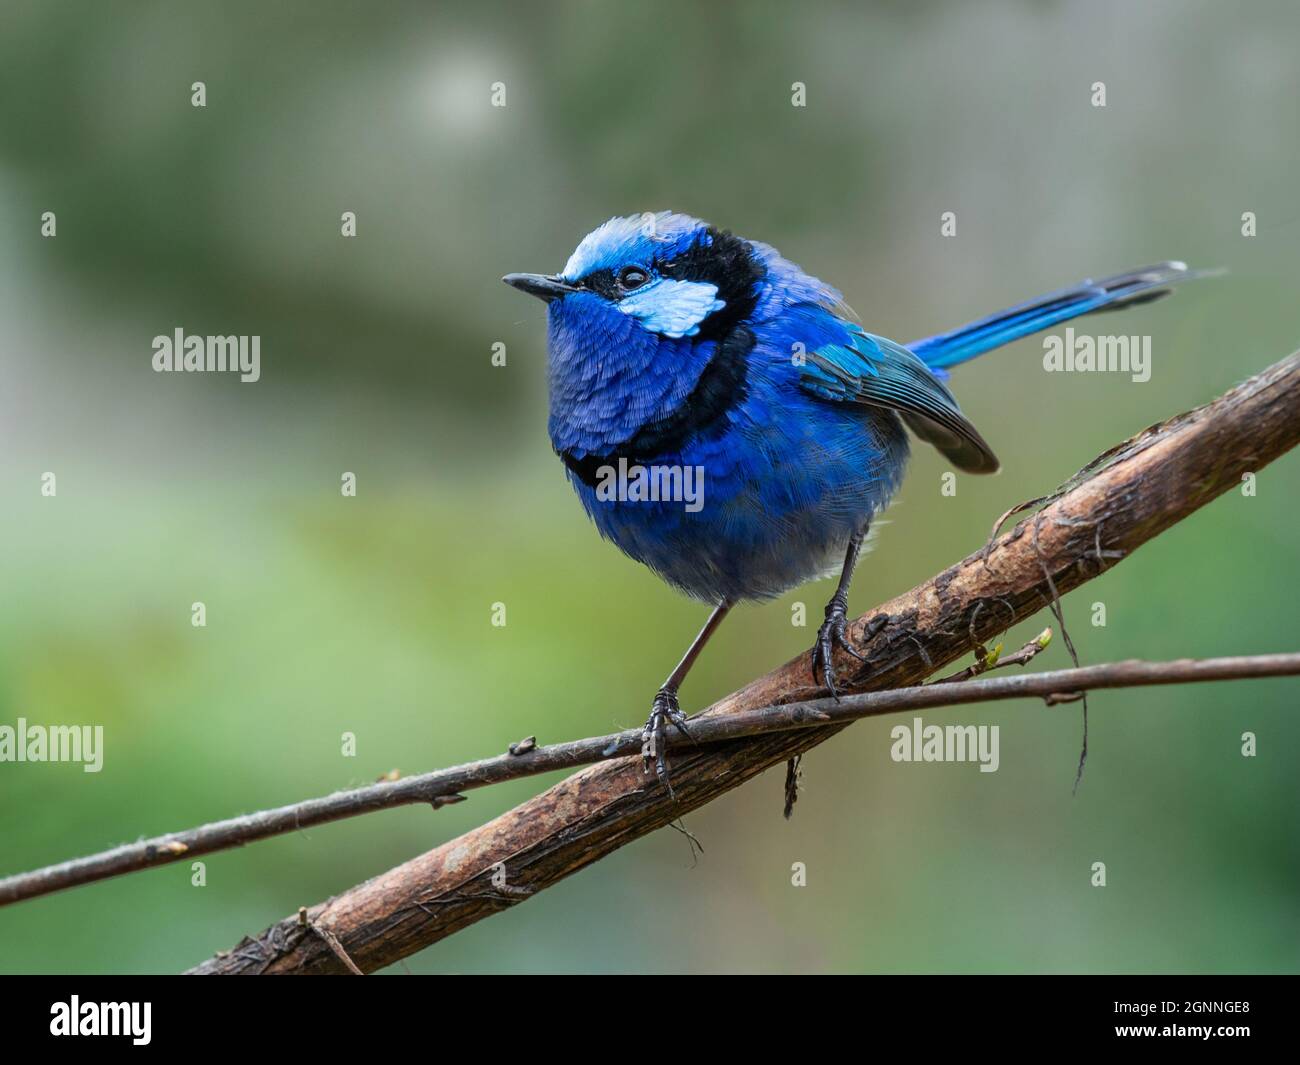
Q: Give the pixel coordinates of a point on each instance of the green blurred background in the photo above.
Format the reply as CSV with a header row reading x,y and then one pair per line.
x,y
372,615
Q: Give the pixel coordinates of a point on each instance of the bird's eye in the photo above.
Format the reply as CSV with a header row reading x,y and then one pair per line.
x,y
631,277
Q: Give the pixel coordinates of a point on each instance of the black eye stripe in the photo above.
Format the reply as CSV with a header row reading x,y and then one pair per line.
x,y
602,283
608,284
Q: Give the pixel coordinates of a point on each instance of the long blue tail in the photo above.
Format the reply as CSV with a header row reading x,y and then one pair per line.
x,y
1109,294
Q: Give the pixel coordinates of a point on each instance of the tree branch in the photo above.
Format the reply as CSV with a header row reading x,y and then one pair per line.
x,y
1118,502
441,787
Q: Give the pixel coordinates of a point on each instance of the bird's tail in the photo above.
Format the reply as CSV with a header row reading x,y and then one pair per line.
x,y
1109,294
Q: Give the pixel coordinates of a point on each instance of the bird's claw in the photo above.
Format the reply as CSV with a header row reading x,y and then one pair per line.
x,y
829,637
664,711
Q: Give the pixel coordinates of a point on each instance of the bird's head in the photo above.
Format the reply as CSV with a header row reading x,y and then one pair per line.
x,y
664,275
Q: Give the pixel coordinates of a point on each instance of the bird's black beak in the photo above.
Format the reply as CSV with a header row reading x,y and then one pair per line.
x,y
544,286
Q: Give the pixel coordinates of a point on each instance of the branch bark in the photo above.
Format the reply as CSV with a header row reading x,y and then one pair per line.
x,y
1118,502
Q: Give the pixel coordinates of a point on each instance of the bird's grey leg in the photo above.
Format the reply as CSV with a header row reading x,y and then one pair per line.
x,y
665,709
831,634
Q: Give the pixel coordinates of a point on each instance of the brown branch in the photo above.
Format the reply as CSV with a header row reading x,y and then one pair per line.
x,y
1121,500
441,787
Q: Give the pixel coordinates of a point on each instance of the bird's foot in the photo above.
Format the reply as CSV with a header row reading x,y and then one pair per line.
x,y
664,711
832,635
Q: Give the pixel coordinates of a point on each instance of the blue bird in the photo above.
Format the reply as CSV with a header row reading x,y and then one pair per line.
x,y
727,422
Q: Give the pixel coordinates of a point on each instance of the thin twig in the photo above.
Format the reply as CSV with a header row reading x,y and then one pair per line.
x,y
1058,611
332,941
994,659
793,781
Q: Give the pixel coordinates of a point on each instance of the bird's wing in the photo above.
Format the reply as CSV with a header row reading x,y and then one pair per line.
x,y
871,370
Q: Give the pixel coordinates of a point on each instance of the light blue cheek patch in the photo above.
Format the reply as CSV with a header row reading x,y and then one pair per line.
x,y
672,308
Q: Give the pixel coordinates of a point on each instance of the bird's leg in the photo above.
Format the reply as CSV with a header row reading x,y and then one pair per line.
x,y
831,634
665,709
